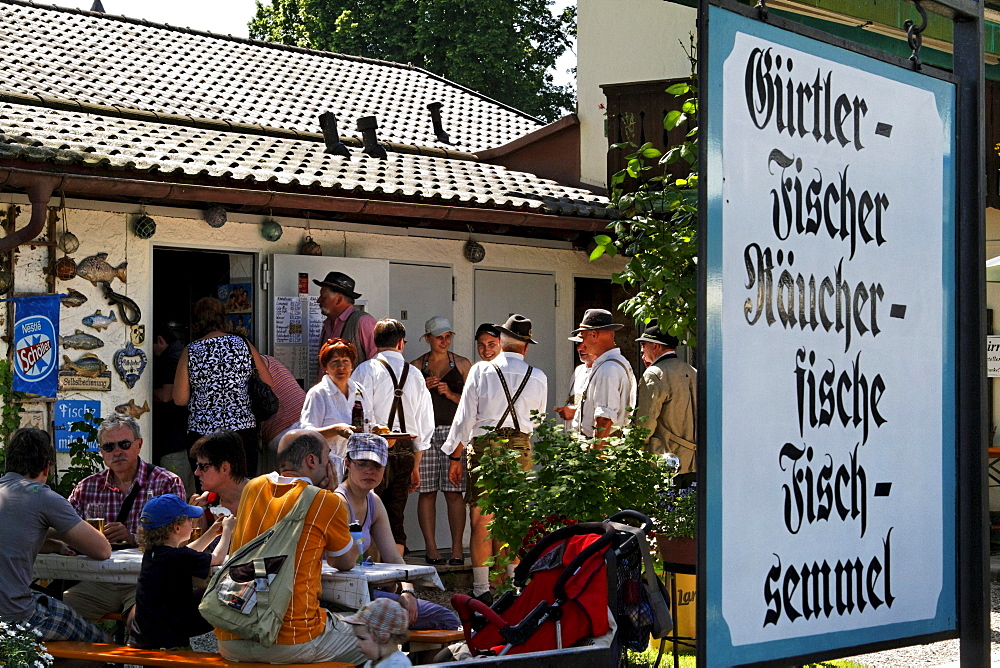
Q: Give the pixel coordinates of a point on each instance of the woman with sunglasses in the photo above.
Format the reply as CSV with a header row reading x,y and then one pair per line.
x,y
367,455
212,377
221,466
336,406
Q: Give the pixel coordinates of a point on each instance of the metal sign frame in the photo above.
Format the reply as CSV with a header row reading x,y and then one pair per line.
x,y
971,498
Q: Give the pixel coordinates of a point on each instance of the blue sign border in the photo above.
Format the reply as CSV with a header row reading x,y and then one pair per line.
x,y
723,27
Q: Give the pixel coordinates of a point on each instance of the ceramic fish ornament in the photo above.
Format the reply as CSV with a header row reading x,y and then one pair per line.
x,y
100,321
130,312
73,298
89,365
96,268
80,340
131,408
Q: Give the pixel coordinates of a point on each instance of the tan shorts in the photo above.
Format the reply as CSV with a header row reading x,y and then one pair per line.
x,y
337,643
508,439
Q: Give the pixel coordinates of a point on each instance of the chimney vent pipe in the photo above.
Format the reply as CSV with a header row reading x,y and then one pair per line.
x,y
435,109
367,125
328,123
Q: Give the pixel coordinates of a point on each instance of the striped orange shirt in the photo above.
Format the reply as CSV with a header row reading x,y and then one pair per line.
x,y
268,498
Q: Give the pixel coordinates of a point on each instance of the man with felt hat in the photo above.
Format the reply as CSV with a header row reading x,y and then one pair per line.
x,y
610,389
502,392
668,398
336,301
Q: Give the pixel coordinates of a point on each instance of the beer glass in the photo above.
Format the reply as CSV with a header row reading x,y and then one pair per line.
x,y
95,516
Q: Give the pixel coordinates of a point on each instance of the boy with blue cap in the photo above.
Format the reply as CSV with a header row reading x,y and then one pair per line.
x,y
163,617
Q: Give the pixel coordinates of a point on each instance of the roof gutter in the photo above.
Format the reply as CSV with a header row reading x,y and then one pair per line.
x,y
164,191
40,188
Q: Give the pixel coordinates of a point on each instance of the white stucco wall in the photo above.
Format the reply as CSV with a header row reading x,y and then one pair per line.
x,y
623,41
105,227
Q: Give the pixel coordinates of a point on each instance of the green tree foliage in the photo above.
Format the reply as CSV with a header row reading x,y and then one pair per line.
x,y
502,48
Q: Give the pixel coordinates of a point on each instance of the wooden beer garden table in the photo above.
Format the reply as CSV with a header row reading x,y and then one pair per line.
x,y
351,589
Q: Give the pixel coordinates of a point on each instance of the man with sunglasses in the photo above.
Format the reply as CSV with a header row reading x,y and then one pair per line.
x,y
118,494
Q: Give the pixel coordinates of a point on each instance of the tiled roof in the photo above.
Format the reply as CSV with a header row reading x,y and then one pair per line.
x,y
102,59
42,134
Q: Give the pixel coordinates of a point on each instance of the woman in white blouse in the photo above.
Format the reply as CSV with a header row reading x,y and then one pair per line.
x,y
336,406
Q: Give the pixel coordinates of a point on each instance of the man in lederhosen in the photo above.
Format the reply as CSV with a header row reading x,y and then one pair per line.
x,y
401,402
609,392
501,392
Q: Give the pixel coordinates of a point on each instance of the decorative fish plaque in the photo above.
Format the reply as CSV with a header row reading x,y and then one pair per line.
x,y
130,362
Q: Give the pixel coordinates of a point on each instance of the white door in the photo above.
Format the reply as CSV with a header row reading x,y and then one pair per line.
x,y
499,294
296,322
416,294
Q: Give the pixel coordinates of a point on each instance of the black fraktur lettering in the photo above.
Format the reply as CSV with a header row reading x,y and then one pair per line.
x,y
800,107
812,590
803,302
824,394
819,207
813,496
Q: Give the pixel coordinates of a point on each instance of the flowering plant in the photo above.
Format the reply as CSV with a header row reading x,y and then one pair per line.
x,y
676,513
21,647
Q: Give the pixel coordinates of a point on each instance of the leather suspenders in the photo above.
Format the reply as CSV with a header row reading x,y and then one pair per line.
x,y
590,379
397,394
510,400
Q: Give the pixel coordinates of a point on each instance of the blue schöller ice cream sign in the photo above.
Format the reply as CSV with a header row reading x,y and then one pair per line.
x,y
36,336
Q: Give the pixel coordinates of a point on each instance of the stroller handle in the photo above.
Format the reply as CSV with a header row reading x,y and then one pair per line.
x,y
644,522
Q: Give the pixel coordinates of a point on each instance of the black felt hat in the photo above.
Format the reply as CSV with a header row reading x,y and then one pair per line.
x,y
518,327
339,282
597,319
652,334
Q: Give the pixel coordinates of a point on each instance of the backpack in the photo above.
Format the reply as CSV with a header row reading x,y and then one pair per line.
x,y
250,593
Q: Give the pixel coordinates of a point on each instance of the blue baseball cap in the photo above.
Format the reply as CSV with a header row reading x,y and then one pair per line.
x,y
162,510
368,446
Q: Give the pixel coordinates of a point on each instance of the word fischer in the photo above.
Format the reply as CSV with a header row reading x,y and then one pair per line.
x,y
819,206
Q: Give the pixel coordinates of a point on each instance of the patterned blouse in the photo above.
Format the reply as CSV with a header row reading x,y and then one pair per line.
x,y
219,370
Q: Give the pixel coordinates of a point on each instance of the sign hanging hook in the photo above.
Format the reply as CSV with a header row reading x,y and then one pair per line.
x,y
913,35
761,8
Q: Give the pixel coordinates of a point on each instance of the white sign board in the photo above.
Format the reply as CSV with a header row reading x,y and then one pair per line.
x,y
993,356
830,359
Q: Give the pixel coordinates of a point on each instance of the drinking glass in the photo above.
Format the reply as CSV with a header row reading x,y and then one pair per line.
x,y
95,516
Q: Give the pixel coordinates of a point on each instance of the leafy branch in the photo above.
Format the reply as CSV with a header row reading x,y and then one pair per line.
x,y
10,412
657,224
83,460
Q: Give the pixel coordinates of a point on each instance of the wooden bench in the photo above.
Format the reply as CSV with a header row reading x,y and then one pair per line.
x,y
104,653
430,641
436,637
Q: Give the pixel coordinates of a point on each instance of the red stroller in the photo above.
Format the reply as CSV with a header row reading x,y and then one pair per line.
x,y
576,574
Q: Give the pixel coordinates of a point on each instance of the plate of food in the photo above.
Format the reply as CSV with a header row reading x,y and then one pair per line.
x,y
389,435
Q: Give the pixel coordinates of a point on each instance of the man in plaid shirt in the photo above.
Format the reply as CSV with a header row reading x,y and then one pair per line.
x,y
127,480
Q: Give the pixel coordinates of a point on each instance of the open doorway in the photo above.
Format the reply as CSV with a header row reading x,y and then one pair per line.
x,y
602,293
183,276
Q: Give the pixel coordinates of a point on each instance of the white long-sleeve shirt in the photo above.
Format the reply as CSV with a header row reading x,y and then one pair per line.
x,y
483,400
610,393
417,408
